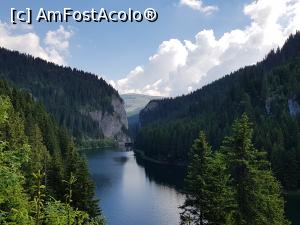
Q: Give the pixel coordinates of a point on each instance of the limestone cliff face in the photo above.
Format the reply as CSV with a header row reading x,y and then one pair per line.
x,y
113,125
294,107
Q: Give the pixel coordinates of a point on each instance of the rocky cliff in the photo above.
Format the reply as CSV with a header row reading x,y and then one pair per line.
x,y
82,102
115,124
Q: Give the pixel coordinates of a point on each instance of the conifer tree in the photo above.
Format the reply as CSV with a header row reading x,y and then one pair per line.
x,y
39,157
193,209
257,192
14,202
219,194
210,198
30,143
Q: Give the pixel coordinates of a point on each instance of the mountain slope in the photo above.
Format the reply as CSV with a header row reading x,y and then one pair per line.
x,y
134,103
80,101
49,149
268,92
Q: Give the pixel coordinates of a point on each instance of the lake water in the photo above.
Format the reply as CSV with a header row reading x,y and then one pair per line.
x,y
137,192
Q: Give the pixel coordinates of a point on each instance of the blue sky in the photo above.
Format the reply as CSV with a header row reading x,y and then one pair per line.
x,y
115,50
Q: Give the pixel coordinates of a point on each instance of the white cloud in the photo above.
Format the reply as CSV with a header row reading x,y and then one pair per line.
x,y
179,67
170,56
199,5
58,39
24,39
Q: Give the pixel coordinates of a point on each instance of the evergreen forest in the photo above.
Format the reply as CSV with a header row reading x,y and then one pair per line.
x,y
268,92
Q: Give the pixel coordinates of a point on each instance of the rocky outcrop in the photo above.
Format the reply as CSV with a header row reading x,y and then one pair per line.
x,y
115,124
292,104
268,105
294,107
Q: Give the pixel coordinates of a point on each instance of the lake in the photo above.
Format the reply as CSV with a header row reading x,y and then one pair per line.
x,y
138,192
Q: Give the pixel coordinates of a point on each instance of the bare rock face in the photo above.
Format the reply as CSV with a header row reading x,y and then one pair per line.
x,y
294,107
113,125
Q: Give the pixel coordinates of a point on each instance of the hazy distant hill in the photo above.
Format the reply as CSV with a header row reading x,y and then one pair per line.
x,y
134,103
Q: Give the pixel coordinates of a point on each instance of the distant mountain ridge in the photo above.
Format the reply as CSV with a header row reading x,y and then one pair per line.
x,y
134,103
269,92
84,103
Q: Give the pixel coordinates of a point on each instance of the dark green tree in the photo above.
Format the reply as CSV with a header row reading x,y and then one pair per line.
x,y
258,194
31,141
210,198
14,153
269,92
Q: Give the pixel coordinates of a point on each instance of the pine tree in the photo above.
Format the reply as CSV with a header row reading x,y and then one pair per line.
x,y
257,192
219,194
83,191
26,149
193,209
39,195
40,157
14,203
210,198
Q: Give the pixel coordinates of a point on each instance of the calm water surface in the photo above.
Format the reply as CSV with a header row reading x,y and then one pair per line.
x,y
135,192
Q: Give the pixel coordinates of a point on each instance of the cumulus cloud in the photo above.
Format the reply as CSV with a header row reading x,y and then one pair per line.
x,y
58,39
179,67
199,5
53,48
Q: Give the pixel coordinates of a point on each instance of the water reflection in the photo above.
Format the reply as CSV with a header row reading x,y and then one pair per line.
x,y
293,207
168,175
121,159
137,192
133,192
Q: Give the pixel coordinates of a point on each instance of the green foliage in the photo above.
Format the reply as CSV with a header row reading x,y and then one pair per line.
x,y
210,196
32,143
14,202
38,200
233,186
269,92
68,94
39,157
97,144
58,213
258,193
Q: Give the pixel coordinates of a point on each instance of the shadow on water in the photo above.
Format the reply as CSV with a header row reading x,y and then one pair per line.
x,y
293,207
133,191
102,180
168,175
136,184
121,159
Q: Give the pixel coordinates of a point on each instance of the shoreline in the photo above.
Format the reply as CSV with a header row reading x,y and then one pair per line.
x,y
149,159
94,148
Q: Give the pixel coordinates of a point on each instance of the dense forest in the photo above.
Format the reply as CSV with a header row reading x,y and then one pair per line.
x,y
66,93
234,185
269,92
43,179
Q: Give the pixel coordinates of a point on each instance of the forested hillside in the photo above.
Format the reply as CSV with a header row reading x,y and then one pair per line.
x,y
80,101
43,179
269,92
